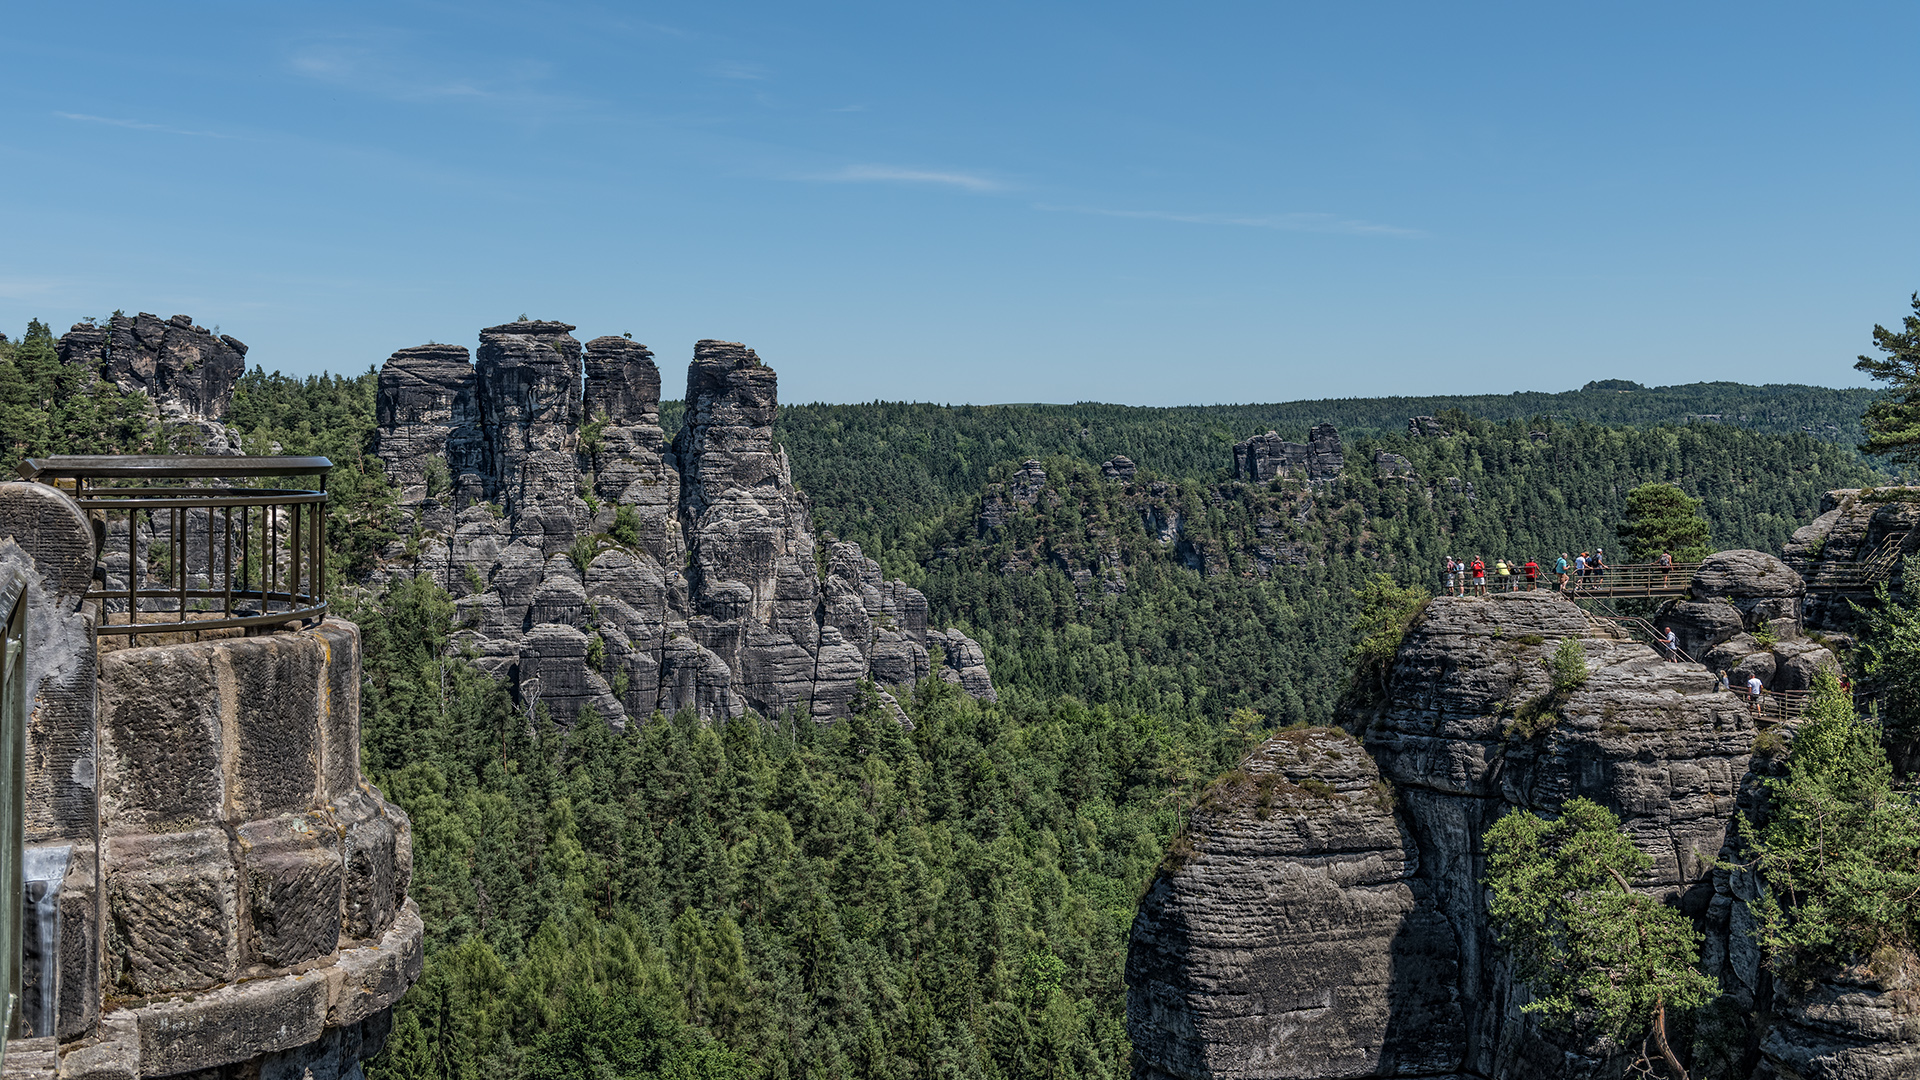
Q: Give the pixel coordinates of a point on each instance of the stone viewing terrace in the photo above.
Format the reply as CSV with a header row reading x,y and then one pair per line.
x,y
212,887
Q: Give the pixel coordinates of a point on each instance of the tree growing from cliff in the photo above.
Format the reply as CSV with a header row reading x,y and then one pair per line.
x,y
1660,518
1893,421
1593,950
1841,847
1386,611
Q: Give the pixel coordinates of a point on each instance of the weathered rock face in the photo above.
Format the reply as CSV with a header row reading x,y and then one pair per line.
x,y
185,369
631,463
1296,939
530,406
1264,457
1392,465
1426,427
1653,740
689,582
1118,467
1736,598
1859,542
1246,952
429,416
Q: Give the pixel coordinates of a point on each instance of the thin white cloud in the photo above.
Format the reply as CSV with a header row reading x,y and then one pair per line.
x,y
734,69
867,174
378,64
1296,222
139,125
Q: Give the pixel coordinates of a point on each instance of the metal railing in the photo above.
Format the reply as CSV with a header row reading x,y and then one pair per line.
x,y
195,553
1878,566
1632,579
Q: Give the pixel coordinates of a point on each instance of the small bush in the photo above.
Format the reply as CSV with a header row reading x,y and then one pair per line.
x,y
1769,744
626,526
1531,639
581,554
1568,666
1317,788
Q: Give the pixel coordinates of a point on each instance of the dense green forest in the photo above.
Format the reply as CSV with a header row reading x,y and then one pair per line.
x,y
875,468
761,899
1251,605
768,900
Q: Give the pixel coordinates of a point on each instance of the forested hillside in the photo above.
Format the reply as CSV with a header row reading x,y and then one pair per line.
x,y
769,898
873,467
1248,601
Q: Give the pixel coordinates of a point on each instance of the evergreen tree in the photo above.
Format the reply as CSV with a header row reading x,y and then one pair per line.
x,y
1661,518
1594,950
1893,419
1841,847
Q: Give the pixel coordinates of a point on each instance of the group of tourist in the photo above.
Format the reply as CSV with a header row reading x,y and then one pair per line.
x,y
1507,576
1585,570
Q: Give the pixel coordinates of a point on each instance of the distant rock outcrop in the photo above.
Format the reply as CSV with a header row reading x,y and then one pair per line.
x,y
595,565
1264,457
187,370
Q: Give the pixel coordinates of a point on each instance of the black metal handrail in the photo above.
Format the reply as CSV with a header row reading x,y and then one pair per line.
x,y
278,534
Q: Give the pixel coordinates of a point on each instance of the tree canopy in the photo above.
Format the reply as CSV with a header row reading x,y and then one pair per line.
x,y
1661,518
1840,849
1594,950
1893,420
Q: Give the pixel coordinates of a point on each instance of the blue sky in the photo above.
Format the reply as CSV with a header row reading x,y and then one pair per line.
x,y
1152,204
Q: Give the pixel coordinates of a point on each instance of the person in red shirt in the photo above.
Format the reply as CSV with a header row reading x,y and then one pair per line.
x,y
1533,574
1479,575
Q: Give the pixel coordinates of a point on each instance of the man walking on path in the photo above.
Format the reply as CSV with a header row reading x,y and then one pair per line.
x,y
1598,566
1561,568
1753,692
1533,575
1580,570
1666,568
1673,646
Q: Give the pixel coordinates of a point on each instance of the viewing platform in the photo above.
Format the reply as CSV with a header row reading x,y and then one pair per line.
x,y
212,888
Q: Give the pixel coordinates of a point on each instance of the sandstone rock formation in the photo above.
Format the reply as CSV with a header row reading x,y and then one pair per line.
x,y
595,564
1118,467
1296,937
188,371
1742,615
1860,541
1296,889
1264,457
1426,427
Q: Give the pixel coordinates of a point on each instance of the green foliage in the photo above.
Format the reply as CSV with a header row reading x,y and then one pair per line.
x,y
1893,419
581,552
1840,849
755,899
881,470
1662,518
1386,611
1890,653
1593,950
1568,668
626,526
48,407
330,416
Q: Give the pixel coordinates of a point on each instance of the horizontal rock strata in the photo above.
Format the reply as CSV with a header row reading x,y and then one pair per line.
x,y
598,565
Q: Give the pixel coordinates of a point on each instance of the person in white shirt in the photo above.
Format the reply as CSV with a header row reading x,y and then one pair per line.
x,y
1753,692
1673,646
